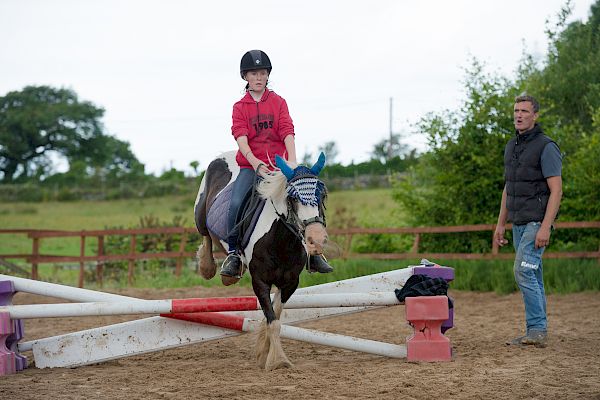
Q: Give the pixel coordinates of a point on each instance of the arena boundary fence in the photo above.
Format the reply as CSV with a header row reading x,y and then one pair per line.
x,y
36,257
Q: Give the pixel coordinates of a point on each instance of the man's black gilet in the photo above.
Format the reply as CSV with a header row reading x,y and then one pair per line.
x,y
527,192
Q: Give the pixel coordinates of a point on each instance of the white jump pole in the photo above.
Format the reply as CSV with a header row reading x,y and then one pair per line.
x,y
247,303
239,323
63,291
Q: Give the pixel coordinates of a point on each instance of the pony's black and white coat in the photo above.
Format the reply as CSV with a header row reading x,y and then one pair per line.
x,y
279,245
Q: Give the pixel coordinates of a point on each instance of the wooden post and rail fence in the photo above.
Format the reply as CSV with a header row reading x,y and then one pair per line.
x,y
36,257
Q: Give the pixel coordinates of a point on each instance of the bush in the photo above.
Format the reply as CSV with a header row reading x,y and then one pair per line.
x,y
151,243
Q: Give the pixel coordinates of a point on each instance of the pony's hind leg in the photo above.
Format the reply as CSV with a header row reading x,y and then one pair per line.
x,y
206,261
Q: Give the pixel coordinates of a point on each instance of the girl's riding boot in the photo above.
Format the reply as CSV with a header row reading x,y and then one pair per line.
x,y
232,266
318,264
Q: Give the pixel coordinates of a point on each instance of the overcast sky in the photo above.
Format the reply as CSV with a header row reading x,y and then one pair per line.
x,y
167,72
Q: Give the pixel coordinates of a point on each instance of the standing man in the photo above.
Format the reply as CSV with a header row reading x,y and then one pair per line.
x,y
530,200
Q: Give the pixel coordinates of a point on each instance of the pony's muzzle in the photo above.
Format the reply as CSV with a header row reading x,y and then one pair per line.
x,y
316,238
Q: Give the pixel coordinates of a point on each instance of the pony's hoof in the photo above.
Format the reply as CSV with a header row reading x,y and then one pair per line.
x,y
229,280
208,272
280,364
206,263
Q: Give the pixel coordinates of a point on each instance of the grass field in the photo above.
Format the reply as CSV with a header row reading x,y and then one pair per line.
x,y
360,208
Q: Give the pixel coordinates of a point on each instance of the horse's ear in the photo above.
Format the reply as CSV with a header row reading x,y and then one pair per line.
x,y
316,169
285,169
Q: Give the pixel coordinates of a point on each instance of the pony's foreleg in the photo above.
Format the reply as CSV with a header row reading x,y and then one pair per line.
x,y
276,357
262,345
261,290
206,261
269,352
263,339
277,304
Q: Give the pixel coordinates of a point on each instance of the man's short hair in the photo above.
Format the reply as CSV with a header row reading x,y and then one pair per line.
x,y
531,99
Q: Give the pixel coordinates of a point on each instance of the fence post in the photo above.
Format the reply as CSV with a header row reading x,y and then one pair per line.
x,y
348,245
34,257
181,250
495,247
81,263
131,260
415,246
100,263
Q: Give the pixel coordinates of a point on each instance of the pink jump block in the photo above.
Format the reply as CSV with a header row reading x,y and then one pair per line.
x,y
426,315
8,363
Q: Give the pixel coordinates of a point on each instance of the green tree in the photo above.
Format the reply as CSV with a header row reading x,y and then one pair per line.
x,y
568,87
40,120
459,180
195,164
389,148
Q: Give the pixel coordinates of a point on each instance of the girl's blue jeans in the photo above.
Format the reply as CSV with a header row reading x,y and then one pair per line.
x,y
241,187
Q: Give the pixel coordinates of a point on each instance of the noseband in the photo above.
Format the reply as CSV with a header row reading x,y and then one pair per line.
x,y
293,222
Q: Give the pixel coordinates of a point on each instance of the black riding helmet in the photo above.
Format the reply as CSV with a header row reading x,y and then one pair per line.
x,y
255,59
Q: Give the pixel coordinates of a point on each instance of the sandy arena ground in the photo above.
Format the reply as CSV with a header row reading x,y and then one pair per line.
x,y
483,366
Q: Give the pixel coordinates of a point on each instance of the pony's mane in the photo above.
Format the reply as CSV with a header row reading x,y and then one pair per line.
x,y
273,186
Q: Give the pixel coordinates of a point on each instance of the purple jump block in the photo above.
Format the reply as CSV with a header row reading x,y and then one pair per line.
x,y
449,323
445,273
7,358
7,290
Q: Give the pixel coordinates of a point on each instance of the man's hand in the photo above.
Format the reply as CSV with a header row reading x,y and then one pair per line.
x,y
499,235
542,238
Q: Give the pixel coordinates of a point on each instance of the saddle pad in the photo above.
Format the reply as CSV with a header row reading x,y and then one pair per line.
x,y
216,219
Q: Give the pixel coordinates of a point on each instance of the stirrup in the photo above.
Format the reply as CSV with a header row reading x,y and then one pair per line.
x,y
232,266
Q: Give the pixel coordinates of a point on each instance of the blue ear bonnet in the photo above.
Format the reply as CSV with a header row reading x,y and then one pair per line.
x,y
303,184
306,188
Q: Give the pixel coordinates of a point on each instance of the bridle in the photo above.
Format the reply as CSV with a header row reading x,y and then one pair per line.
x,y
298,226
293,222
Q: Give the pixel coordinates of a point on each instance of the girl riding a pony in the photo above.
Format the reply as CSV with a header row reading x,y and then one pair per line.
x,y
263,129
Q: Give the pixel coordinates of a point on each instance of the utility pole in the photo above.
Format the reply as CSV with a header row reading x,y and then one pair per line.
x,y
389,152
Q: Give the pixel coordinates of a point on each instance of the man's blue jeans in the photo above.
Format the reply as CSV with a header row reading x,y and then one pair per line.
x,y
529,275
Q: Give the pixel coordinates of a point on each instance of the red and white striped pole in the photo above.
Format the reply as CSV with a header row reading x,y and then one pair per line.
x,y
242,324
209,304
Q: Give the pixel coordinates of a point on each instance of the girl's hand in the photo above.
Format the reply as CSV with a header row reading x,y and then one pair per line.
x,y
262,170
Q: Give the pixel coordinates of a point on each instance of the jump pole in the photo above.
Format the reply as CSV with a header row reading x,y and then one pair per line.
x,y
173,306
239,323
63,291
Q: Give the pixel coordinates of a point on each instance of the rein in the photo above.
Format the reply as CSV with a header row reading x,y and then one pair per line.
x,y
293,223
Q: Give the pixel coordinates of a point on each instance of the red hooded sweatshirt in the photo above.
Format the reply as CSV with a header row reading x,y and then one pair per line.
x,y
266,123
